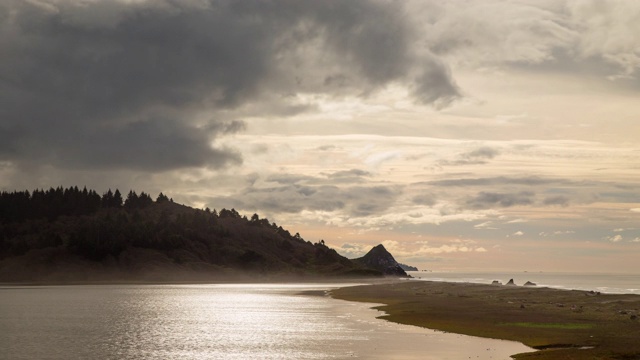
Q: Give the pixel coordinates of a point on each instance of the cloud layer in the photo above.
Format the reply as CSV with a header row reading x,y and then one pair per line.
x,y
150,85
454,131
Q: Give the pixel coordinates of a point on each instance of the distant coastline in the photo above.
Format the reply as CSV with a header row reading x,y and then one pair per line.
x,y
611,283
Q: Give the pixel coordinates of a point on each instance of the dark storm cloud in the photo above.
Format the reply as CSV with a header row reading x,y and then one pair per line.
x,y
346,176
475,157
110,84
327,147
338,177
500,181
556,200
504,191
435,85
290,179
284,199
482,153
80,90
349,174
424,199
157,144
365,201
356,201
485,200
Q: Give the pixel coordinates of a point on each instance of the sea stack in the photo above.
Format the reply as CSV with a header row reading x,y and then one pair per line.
x,y
511,282
529,283
380,259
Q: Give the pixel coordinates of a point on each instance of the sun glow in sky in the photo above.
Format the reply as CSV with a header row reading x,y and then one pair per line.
x,y
483,135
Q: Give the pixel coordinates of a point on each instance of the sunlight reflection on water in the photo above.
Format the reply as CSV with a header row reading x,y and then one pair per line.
x,y
213,322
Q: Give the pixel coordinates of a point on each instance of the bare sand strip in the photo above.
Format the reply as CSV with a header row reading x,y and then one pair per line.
x,y
562,324
383,340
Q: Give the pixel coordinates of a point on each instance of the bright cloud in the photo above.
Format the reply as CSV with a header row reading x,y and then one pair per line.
x,y
615,238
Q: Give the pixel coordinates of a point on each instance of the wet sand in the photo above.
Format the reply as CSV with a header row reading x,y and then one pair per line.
x,y
383,340
561,324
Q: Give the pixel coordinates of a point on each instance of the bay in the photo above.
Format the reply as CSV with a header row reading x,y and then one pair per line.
x,y
220,321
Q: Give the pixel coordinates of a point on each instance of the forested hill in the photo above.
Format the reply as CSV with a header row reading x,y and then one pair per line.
x,y
70,234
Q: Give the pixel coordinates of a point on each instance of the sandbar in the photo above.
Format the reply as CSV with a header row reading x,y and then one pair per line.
x,y
561,324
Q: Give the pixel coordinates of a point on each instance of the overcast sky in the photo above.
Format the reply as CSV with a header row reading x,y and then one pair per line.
x,y
479,135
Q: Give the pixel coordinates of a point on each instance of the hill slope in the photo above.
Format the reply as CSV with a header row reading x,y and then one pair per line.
x,y
158,241
380,259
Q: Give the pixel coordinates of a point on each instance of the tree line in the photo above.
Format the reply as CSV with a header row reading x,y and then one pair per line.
x,y
95,227
50,204
62,225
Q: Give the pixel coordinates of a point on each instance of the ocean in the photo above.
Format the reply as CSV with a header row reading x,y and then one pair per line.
x,y
605,283
222,321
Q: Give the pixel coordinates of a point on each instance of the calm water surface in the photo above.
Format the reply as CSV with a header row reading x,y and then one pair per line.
x,y
214,322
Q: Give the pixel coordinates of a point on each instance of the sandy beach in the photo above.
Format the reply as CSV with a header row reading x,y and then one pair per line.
x,y
561,324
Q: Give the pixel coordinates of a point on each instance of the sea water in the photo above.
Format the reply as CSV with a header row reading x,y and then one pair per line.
x,y
225,321
602,282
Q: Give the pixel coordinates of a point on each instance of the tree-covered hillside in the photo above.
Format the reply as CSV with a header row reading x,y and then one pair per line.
x,y
78,235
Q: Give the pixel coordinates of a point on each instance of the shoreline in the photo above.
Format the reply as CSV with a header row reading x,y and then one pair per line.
x,y
610,283
242,279
561,324
299,317
391,340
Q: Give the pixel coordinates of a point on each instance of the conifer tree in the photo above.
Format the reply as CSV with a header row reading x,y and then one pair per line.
x,y
117,199
132,200
107,199
162,198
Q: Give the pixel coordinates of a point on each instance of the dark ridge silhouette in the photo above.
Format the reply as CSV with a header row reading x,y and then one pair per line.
x,y
63,235
380,259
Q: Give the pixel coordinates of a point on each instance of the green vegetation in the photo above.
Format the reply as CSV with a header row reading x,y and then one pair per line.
x,y
77,235
550,325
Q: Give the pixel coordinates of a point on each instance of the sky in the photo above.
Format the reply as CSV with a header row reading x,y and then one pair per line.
x,y
462,135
